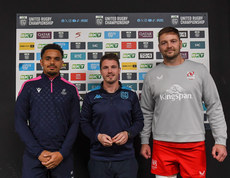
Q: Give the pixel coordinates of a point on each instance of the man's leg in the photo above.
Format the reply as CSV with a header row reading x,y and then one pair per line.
x,y
100,169
64,169
32,167
125,169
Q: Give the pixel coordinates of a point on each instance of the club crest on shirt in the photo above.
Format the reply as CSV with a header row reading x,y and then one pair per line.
x,y
63,92
191,75
124,95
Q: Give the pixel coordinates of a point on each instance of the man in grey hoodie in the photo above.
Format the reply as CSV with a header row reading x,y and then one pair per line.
x,y
171,101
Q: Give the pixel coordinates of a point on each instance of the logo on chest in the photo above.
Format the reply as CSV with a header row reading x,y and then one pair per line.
x,y
64,92
124,95
191,75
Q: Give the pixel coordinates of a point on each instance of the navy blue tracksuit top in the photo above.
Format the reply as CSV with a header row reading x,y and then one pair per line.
x,y
47,115
111,113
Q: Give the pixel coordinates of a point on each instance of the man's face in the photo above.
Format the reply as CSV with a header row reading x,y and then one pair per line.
x,y
110,71
169,45
51,62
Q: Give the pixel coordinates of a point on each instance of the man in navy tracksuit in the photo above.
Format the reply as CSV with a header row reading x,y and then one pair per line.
x,y
47,116
111,118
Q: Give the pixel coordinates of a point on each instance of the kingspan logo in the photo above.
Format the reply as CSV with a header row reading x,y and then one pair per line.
x,y
26,35
146,66
95,35
129,55
78,66
176,92
197,55
111,45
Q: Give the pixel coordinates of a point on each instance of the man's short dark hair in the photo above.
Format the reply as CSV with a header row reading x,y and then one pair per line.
x,y
52,46
110,56
168,30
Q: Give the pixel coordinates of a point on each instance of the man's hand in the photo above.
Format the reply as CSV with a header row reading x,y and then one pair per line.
x,y
219,152
55,159
146,151
121,138
43,156
105,140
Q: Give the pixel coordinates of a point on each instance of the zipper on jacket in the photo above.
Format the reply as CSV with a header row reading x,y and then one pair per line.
x,y
51,86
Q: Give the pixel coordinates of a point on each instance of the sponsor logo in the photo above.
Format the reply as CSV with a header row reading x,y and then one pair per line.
x,y
175,93
94,55
129,66
140,86
26,77
142,75
111,45
184,45
65,66
39,90
44,35
197,34
145,34
78,56
98,96
26,46
26,35
191,75
197,44
65,56
133,86
77,45
128,34
95,45
41,45
95,35
146,66
80,86
159,55
202,173
129,76
38,56
124,95
154,164
78,76
129,55
193,20
145,55
77,35
93,85
111,34
64,45
78,66
93,66
95,76
128,45
175,19
113,52
184,55
65,75
183,34
145,45
197,55
23,20
61,35
38,66
26,67
64,92
159,77
26,56
99,19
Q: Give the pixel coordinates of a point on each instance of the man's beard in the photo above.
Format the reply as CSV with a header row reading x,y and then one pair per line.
x,y
171,57
52,73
